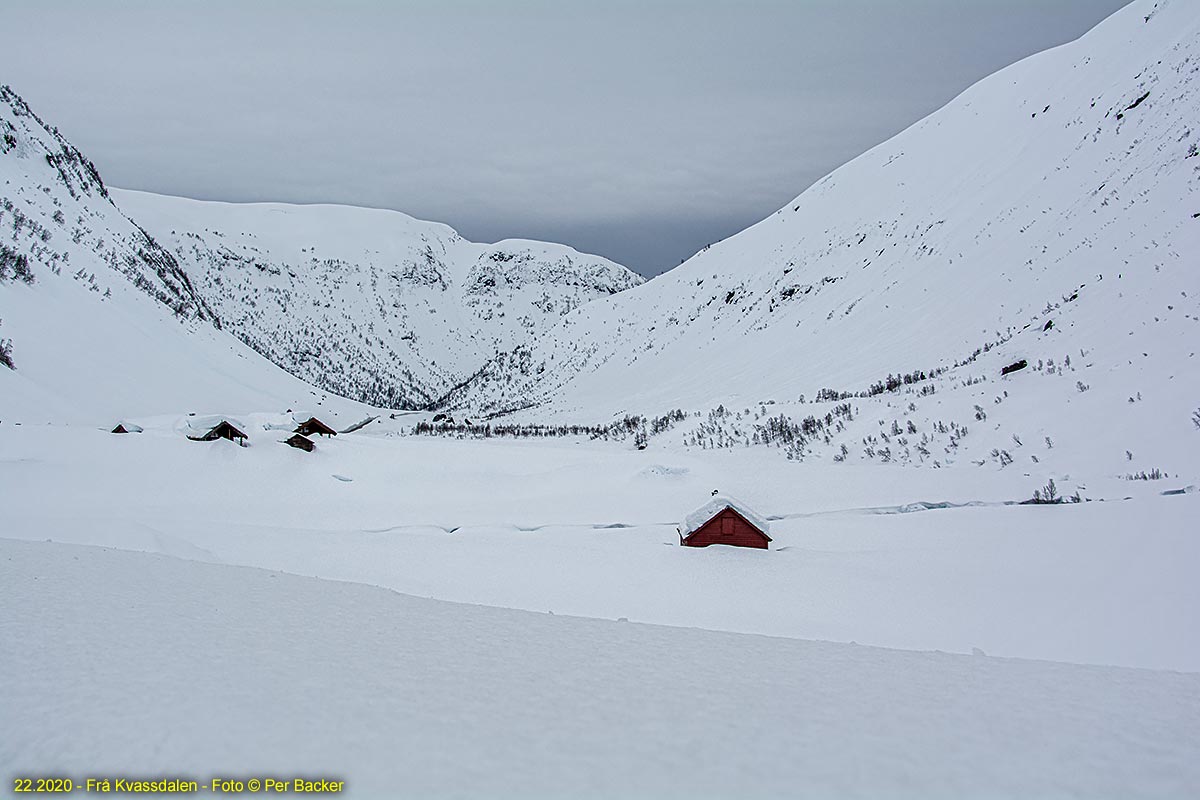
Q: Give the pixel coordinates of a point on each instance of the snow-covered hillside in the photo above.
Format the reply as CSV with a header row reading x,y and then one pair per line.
x,y
367,303
57,205
1050,213
97,319
100,320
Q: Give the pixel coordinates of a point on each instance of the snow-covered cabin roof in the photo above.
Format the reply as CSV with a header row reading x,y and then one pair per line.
x,y
205,429
206,422
716,505
311,425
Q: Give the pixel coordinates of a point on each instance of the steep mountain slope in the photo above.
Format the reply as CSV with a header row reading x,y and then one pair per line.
x,y
1060,190
368,303
98,320
55,203
371,305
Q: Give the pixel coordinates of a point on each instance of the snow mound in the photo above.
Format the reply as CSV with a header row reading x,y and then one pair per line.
x,y
661,471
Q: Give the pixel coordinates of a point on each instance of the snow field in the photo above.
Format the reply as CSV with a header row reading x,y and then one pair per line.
x,y
589,529
136,664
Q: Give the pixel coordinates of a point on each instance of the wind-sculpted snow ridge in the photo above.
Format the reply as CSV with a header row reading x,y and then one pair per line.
x,y
1050,211
368,303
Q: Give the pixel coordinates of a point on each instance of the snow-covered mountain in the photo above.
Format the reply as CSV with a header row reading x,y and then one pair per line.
x,y
1047,216
370,305
1050,213
367,303
55,203
1072,174
98,320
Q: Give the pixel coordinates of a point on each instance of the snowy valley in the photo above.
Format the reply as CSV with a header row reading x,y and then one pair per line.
x,y
956,378
1047,216
1062,189
370,304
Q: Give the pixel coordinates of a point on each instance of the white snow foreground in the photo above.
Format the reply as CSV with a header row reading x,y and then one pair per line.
x,y
137,664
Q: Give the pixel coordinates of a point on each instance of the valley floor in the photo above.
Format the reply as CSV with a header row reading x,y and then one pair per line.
x,y
208,652
140,665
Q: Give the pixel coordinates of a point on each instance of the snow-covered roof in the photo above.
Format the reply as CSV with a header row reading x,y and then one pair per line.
x,y
206,422
715,506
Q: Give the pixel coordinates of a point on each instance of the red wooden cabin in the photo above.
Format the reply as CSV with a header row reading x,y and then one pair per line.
x,y
724,521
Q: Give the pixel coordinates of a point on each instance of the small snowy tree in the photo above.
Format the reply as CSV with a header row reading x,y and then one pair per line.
x,y
6,353
1047,495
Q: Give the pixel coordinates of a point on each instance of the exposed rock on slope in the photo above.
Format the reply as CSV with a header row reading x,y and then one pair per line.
x,y
53,203
368,303
371,305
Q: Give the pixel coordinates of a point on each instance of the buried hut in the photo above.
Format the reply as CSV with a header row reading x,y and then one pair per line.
x,y
312,426
723,520
300,442
126,427
222,430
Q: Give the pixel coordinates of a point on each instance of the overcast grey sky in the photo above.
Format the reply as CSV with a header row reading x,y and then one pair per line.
x,y
639,130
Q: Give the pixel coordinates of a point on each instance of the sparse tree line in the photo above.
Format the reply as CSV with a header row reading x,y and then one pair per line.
x,y
1155,474
1048,496
6,353
639,427
725,428
889,384
902,442
174,289
23,223
14,265
486,430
